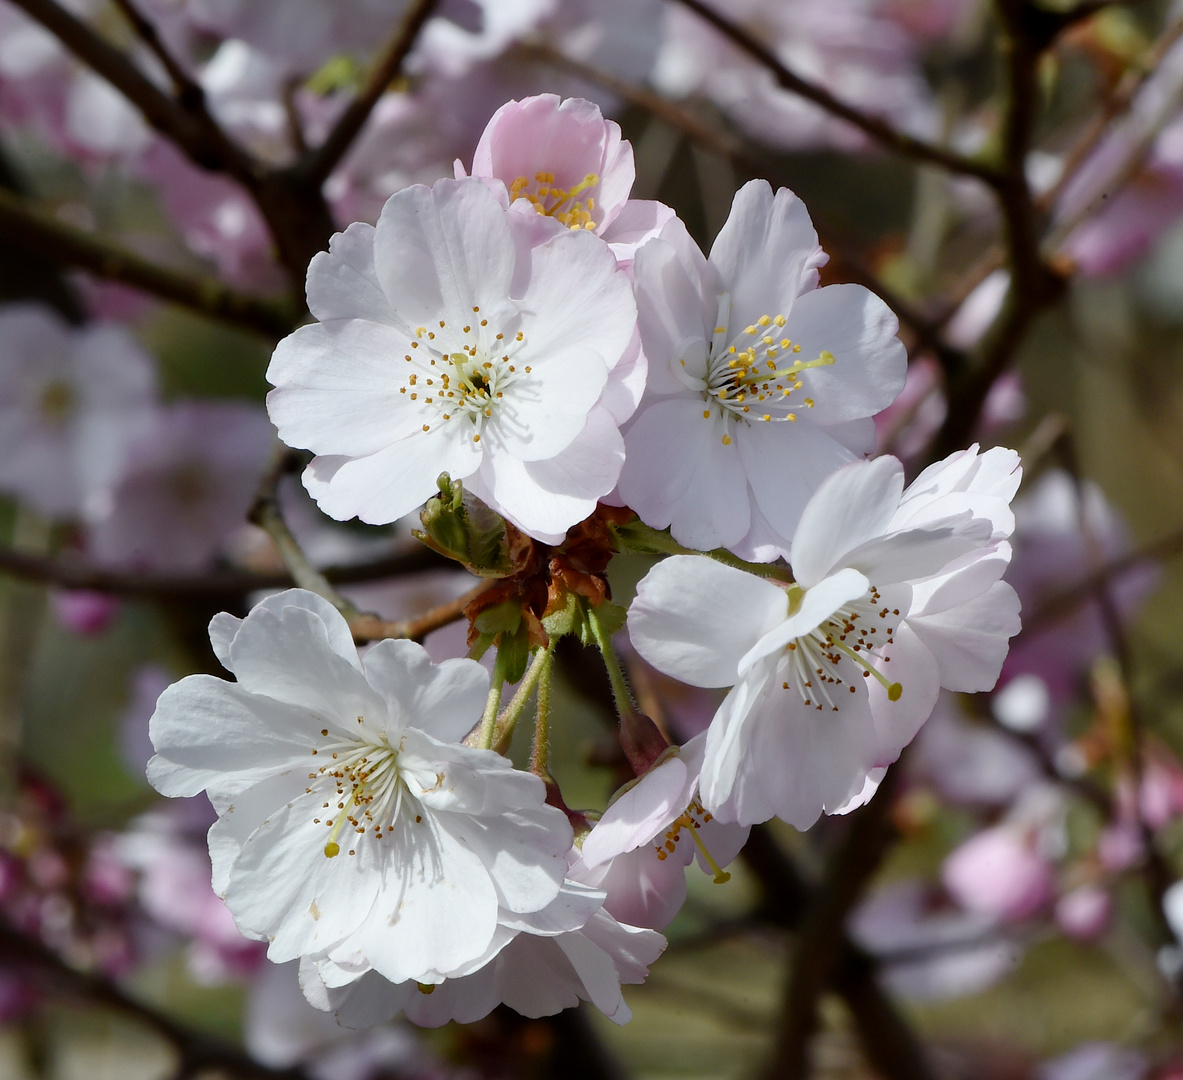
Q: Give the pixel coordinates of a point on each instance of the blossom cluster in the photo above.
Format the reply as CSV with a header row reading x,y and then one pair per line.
x,y
563,368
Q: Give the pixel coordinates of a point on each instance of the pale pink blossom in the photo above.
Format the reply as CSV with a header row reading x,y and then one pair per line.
x,y
881,576
760,383
509,353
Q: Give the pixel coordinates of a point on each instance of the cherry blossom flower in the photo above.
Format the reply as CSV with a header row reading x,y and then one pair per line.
x,y
567,162
506,350
351,821
72,401
760,383
660,822
882,576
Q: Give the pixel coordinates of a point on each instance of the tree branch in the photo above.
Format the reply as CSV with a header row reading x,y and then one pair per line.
x,y
42,233
321,161
371,628
75,574
197,1051
821,939
881,132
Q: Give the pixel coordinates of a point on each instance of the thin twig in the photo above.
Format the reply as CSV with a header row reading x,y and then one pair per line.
x,y
321,162
27,227
877,129
198,1052
1033,286
189,93
371,628
267,515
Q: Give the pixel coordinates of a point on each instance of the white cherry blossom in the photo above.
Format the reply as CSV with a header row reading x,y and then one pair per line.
x,y
456,337
351,820
896,594
760,383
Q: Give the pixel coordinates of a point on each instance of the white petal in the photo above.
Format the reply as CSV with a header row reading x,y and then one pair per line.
x,y
337,390
871,363
970,641
210,732
641,813
766,252
669,624
851,507
283,886
342,282
784,464
437,908
914,668
390,484
444,700
438,251
678,473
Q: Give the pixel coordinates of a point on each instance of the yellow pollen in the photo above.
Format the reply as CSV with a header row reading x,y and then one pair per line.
x,y
726,440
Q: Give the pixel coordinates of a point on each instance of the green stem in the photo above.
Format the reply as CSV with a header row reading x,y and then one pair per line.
x,y
540,756
639,537
517,704
620,690
493,702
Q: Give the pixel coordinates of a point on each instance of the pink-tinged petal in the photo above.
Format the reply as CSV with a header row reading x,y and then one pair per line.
x,y
626,382
677,303
342,282
337,390
970,641
548,409
364,1003
391,483
667,626
784,464
767,253
870,362
849,508
444,700
579,297
679,473
642,889
644,811
639,221
440,250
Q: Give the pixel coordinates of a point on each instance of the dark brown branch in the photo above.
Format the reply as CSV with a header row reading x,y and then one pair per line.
x,y
821,939
321,162
189,93
888,1042
75,574
877,129
198,1052
39,232
1033,286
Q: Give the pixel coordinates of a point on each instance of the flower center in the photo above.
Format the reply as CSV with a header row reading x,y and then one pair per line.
x,y
462,373
364,790
57,402
753,375
691,821
562,204
839,650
